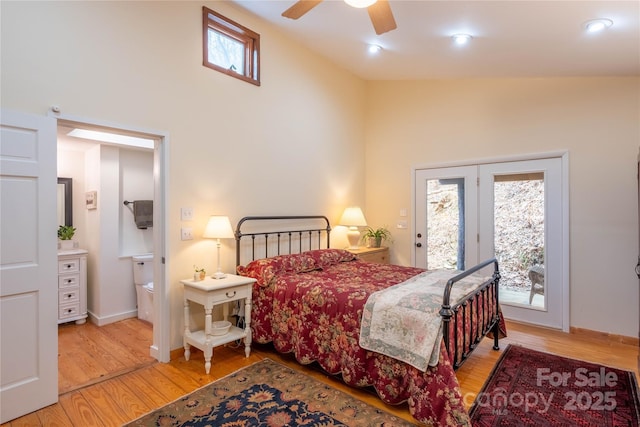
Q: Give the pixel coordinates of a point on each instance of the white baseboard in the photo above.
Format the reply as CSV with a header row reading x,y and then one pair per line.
x,y
101,321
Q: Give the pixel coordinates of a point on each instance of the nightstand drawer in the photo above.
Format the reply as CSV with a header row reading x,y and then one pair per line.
x,y
377,255
381,257
230,294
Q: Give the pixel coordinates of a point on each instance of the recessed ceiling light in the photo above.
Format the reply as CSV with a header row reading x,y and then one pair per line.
x,y
374,48
113,138
596,25
461,39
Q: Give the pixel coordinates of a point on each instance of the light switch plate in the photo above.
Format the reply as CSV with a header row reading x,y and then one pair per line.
x,y
186,233
186,214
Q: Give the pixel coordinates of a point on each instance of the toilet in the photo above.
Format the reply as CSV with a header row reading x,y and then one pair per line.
x,y
143,280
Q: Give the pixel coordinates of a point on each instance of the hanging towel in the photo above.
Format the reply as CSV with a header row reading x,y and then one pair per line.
x,y
143,213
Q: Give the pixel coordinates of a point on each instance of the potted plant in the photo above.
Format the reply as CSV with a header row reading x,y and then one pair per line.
x,y
65,234
199,273
376,236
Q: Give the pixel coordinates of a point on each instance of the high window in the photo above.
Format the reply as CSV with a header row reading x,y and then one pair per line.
x,y
230,48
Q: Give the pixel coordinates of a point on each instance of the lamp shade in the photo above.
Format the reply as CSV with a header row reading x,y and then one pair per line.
x,y
218,227
353,217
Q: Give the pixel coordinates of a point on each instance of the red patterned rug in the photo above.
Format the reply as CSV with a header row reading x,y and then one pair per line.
x,y
531,388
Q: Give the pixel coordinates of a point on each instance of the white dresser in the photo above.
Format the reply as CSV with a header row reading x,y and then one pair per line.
x,y
72,286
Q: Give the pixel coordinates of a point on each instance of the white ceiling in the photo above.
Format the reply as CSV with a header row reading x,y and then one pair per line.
x,y
510,38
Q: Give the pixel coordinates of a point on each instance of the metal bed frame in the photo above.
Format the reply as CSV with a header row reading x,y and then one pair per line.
x,y
301,236
306,237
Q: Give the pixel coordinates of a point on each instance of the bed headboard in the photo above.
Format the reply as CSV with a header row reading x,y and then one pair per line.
x,y
266,236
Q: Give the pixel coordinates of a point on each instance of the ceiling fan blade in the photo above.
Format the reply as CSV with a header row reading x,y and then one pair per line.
x,y
382,17
299,8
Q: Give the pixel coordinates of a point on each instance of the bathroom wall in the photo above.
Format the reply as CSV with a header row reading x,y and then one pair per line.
x,y
109,232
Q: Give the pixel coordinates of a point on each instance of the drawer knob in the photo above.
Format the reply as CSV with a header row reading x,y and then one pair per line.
x,y
232,294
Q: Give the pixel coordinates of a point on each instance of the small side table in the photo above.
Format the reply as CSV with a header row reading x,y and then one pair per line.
x,y
209,293
378,255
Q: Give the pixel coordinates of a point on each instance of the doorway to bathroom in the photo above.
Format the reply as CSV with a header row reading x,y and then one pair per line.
x,y
112,172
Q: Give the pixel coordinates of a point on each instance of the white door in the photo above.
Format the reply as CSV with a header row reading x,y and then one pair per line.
x,y
28,264
446,217
514,211
521,223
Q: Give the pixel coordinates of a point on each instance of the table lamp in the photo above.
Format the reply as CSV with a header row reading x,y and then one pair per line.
x,y
353,218
218,227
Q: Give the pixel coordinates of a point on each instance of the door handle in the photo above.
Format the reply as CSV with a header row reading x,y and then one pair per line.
x,y
638,268
419,244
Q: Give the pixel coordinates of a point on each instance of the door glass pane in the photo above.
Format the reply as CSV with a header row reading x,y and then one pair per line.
x,y
445,223
519,238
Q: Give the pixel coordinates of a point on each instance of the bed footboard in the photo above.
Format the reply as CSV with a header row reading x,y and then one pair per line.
x,y
461,333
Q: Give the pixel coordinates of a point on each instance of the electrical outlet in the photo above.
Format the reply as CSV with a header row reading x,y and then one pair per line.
x,y
186,233
186,214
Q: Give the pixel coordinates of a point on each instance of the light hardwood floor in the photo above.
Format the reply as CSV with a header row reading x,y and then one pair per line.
x,y
88,354
124,397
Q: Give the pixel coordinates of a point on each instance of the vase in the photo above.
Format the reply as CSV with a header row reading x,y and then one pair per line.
x,y
66,245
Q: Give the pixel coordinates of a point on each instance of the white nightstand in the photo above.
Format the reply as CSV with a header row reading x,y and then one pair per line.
x,y
209,293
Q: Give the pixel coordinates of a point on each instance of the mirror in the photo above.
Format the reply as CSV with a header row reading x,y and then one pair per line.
x,y
65,212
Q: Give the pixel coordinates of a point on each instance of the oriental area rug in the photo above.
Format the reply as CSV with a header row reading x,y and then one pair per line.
x,y
268,394
531,388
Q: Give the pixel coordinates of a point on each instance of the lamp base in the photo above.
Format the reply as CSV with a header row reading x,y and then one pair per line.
x,y
353,235
218,275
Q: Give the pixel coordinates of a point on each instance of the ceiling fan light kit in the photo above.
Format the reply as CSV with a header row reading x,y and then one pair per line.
x,y
359,3
379,12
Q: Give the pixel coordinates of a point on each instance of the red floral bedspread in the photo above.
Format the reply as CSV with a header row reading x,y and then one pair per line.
x,y
311,304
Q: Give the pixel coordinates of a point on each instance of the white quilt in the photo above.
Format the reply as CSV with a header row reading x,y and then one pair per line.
x,y
403,321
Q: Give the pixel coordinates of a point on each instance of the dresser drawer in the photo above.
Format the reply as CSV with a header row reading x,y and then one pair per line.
x,y
68,280
69,310
69,265
69,296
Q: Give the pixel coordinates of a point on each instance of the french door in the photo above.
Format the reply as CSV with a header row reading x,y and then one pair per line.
x,y
511,210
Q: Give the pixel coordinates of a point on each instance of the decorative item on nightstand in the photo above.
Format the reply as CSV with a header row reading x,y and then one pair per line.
x,y
199,273
218,227
353,218
376,237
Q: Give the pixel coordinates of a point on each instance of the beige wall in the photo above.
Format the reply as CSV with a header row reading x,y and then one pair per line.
x,y
293,145
597,120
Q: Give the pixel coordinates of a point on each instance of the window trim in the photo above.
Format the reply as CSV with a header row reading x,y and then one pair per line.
x,y
250,39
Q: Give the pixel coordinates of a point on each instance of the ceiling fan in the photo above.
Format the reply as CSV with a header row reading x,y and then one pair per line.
x,y
379,12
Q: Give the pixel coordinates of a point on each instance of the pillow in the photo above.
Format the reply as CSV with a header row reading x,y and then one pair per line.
x,y
328,257
265,269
